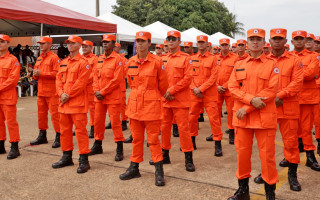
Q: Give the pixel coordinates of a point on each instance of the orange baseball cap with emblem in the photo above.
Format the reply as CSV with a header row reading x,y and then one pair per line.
x,y
188,44
143,35
216,47
224,41
267,44
45,40
256,32
310,35
209,44
202,38
278,32
159,46
176,34
317,38
74,38
109,37
234,44
241,41
117,44
5,37
87,42
299,33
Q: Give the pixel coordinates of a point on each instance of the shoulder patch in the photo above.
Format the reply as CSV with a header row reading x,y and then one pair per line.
x,y
88,66
17,64
120,63
318,58
190,62
276,70
301,65
163,67
58,61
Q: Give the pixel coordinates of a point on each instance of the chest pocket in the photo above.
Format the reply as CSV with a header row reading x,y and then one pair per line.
x,y
178,69
228,69
63,74
241,75
195,68
5,70
73,74
263,79
207,70
285,76
133,75
107,71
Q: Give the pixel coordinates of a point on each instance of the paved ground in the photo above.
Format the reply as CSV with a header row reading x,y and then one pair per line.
x,y
31,176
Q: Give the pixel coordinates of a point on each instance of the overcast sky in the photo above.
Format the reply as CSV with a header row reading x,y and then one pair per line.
x,y
266,14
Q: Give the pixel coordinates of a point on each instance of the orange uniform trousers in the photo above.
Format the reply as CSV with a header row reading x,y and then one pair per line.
x,y
137,128
266,145
91,110
289,132
124,117
212,111
229,104
51,104
306,125
317,120
181,118
80,122
8,114
100,118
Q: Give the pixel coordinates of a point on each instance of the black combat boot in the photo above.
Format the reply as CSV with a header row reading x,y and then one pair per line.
x,y
292,177
132,172
258,179
231,136
41,139
210,138
218,149
166,157
175,130
243,191
56,142
124,125
14,151
228,131
108,126
270,194
83,164
129,139
159,174
201,118
301,146
66,160
189,162
193,138
119,155
91,134
312,161
318,149
96,148
2,148
284,163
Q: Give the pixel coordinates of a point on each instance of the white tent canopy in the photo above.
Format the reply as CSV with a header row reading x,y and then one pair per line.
x,y
214,38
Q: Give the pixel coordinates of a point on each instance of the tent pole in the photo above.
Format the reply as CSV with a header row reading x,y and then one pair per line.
x,y
41,31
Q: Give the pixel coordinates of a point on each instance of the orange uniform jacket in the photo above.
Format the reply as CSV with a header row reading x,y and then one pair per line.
x,y
107,78
255,78
72,79
290,84
48,64
9,77
148,82
309,93
92,59
205,74
226,65
179,71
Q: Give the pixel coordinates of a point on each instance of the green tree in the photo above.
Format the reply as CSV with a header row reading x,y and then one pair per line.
x,y
209,16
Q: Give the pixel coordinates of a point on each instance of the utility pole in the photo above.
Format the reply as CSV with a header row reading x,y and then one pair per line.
x,y
97,8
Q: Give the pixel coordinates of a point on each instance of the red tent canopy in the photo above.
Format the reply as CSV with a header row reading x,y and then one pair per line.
x,y
24,18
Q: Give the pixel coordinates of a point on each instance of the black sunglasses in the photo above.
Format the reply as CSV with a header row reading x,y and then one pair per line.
x,y
171,38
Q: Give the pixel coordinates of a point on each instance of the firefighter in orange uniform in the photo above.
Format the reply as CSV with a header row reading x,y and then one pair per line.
x,y
267,49
87,47
148,82
290,84
165,48
308,96
159,50
254,85
176,101
234,48
203,90
106,85
45,71
241,49
10,73
317,108
209,46
71,85
215,50
188,48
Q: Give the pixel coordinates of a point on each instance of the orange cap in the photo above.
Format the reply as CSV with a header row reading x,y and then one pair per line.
x,y
317,38
310,35
241,41
74,38
209,44
187,44
202,38
117,44
87,42
234,44
45,40
278,32
216,47
159,46
143,35
5,37
176,34
224,41
109,37
165,43
267,44
299,33
256,32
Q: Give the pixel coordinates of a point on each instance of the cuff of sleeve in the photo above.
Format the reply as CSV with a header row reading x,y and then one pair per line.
x,y
171,91
202,89
281,95
247,99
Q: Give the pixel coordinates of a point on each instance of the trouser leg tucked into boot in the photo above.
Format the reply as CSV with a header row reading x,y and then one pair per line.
x,y
66,160
159,174
119,155
243,191
132,172
14,151
96,148
189,162
56,142
41,139
83,164
292,177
